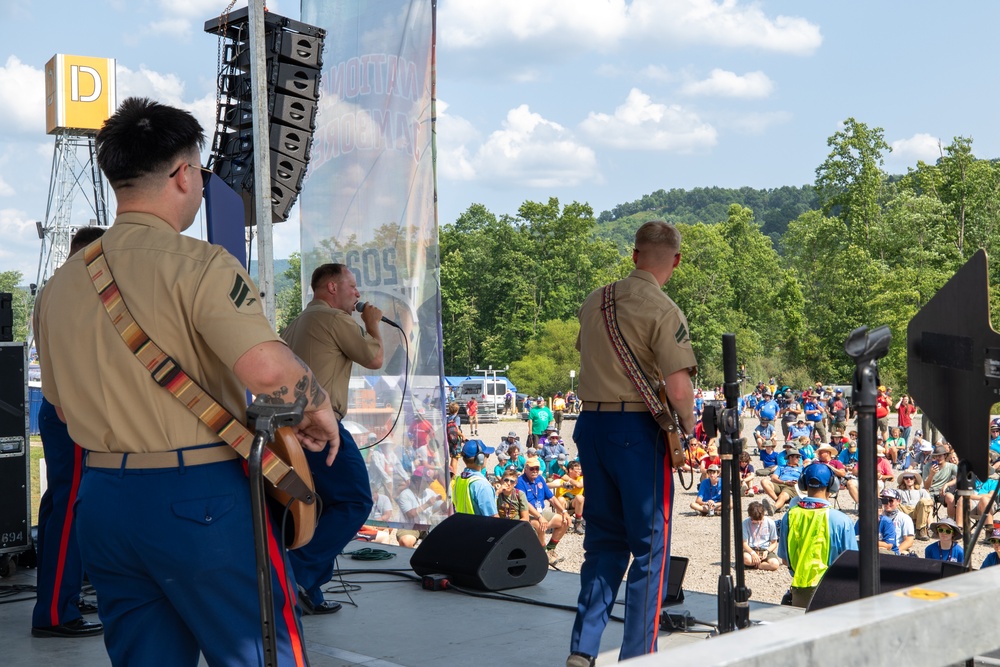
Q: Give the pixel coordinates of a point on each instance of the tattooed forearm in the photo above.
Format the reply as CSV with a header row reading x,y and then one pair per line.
x,y
309,388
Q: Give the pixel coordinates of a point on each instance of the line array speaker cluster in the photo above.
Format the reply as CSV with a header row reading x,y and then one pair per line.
x,y
294,53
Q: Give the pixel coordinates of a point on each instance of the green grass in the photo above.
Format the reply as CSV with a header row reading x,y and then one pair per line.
x,y
36,496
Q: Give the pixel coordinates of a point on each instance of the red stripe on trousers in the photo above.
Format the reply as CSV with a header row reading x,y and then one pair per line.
x,y
288,608
67,528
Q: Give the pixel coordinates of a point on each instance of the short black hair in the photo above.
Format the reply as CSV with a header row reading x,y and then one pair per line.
x,y
143,137
84,237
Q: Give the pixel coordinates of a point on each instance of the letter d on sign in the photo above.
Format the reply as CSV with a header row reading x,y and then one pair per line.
x,y
75,71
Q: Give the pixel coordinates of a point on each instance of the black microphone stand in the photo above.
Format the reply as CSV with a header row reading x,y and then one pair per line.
x,y
734,601
266,417
866,348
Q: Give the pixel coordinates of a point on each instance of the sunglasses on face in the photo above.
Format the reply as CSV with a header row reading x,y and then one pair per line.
x,y
995,540
534,469
886,501
206,174
945,530
506,481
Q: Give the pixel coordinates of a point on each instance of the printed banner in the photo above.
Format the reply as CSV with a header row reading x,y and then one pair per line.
x,y
369,202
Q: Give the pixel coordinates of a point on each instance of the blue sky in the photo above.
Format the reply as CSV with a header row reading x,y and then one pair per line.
x,y
599,101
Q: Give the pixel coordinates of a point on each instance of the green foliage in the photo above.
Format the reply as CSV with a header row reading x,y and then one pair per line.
x,y
21,302
774,208
545,368
288,300
502,278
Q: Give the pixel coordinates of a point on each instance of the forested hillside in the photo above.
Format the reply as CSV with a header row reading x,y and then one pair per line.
x,y
773,209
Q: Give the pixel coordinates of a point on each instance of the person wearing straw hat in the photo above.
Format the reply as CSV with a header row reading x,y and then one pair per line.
x,y
948,547
915,501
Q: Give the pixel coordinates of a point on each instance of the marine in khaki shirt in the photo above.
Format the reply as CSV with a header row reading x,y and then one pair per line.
x,y
192,298
621,447
327,338
657,333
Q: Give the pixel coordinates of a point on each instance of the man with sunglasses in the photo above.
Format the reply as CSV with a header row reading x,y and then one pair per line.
x,y
537,491
903,524
163,511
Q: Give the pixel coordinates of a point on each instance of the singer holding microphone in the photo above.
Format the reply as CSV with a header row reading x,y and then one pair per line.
x,y
327,338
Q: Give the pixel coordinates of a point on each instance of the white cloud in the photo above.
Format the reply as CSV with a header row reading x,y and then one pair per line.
x,y
729,24
920,146
167,89
23,109
5,189
657,74
722,83
641,124
20,249
454,135
527,151
576,25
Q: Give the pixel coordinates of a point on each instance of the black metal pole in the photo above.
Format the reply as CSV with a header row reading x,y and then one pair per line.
x,y
731,432
265,593
866,349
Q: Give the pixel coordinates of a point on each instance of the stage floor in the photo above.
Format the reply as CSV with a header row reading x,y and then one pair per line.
x,y
394,622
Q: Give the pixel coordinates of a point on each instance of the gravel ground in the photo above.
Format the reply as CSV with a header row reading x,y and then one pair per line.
x,y
695,537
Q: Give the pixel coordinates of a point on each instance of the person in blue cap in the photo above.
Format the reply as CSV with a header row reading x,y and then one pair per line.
x,y
473,493
813,533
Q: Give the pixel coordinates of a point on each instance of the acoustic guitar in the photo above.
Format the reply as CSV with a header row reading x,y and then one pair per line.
x,y
304,517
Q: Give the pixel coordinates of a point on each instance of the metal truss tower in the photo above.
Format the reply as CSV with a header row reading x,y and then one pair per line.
x,y
74,172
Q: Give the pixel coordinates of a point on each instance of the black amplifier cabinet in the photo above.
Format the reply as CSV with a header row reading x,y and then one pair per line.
x,y
15,456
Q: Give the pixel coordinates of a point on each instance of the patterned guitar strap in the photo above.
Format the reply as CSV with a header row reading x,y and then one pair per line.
x,y
169,375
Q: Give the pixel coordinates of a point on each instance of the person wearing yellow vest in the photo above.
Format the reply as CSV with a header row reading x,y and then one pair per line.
x,y
813,533
473,494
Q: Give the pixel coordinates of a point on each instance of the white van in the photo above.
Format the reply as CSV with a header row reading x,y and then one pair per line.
x,y
486,392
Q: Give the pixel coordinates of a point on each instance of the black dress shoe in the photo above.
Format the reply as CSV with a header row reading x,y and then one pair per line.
x,y
86,607
77,628
325,607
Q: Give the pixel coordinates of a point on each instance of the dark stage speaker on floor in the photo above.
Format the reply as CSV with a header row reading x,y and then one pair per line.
x,y
482,552
840,583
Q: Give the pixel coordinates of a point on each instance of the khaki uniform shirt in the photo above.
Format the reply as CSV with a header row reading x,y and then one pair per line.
x,y
330,341
192,298
652,325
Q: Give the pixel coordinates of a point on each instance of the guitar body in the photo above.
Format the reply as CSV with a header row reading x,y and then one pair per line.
x,y
671,433
303,517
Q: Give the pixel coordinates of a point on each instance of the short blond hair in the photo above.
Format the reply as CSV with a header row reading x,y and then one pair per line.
x,y
657,242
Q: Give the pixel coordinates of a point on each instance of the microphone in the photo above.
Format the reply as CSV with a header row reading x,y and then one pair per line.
x,y
360,307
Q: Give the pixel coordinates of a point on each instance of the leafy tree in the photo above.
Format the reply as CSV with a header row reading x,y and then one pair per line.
x,y
289,300
849,182
702,287
21,302
549,358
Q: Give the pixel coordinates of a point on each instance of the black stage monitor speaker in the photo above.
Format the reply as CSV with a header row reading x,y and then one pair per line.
x,y
840,583
675,581
482,552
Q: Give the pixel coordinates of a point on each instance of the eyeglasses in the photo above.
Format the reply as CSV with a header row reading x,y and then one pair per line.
x,y
995,540
206,173
534,468
886,501
945,530
507,481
